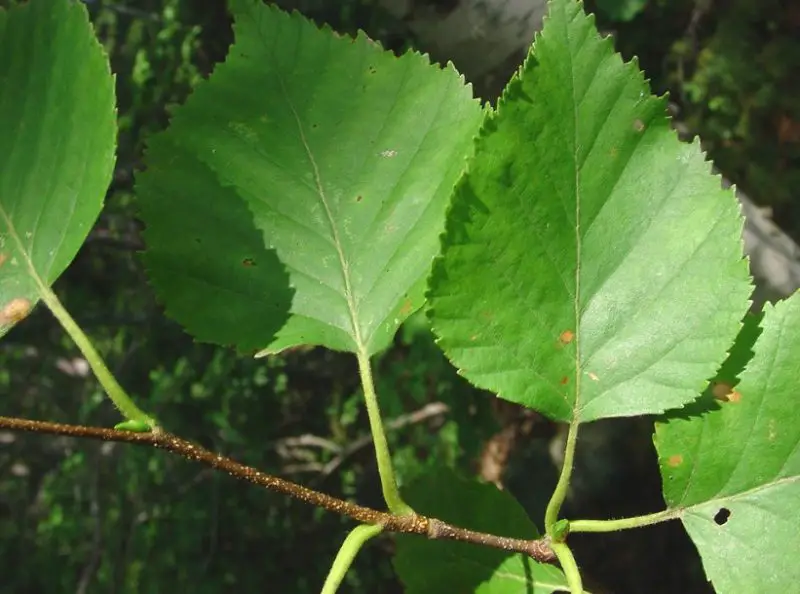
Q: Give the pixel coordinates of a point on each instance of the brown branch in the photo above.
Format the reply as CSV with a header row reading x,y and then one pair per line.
x,y
410,524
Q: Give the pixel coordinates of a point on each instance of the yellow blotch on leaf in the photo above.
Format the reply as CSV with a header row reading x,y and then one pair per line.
x,y
15,311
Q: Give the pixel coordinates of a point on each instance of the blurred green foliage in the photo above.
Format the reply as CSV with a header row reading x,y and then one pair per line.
x,y
731,66
621,10
90,517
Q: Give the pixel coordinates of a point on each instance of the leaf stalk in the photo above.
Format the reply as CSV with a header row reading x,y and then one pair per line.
x,y
624,523
391,493
562,486
115,392
347,553
569,566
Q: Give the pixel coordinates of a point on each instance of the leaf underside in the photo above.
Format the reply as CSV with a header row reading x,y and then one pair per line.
x,y
225,285
446,567
344,156
57,145
592,266
733,465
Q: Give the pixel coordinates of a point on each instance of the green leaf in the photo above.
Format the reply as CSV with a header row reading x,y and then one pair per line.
x,y
735,470
57,145
223,284
445,567
742,350
592,266
345,156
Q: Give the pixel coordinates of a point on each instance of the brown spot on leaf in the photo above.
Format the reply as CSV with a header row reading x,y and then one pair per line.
x,y
406,308
638,125
566,337
720,390
675,460
248,262
3,258
359,198
724,392
15,311
564,380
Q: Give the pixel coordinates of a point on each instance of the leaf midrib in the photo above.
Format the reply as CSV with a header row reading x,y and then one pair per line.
x,y
337,243
12,231
739,495
578,243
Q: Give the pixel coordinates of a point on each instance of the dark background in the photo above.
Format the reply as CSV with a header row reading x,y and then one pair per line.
x,y
90,517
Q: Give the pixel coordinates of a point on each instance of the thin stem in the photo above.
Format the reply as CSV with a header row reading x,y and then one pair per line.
x,y
624,523
560,492
115,392
413,523
391,494
118,396
569,566
347,553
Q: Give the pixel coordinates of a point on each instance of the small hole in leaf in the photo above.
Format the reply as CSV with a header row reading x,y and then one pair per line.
x,y
722,516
